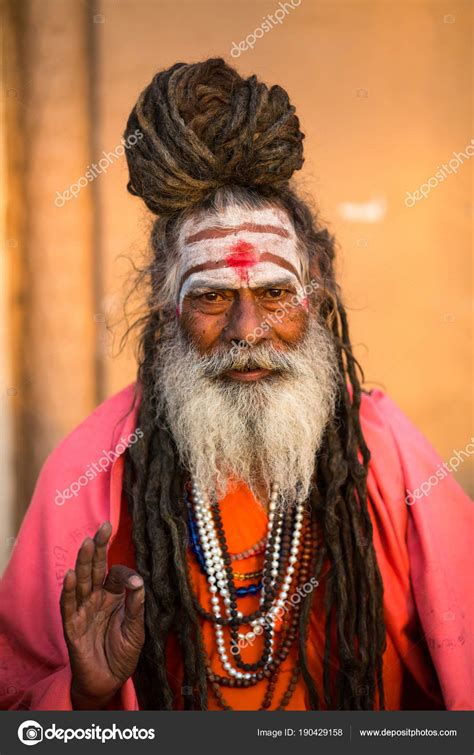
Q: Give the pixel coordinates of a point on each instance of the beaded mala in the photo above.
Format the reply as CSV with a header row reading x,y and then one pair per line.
x,y
249,575
288,552
288,639
198,552
254,550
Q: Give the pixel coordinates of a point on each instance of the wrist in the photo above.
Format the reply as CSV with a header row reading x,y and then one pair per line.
x,y
86,701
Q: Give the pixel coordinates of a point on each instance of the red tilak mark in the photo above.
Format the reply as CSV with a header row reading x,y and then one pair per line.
x,y
305,302
177,312
242,254
241,257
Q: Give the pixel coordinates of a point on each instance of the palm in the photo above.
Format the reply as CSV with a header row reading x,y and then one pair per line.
x,y
103,624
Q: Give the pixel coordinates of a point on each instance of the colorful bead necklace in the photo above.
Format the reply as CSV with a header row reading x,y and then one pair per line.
x,y
241,592
286,534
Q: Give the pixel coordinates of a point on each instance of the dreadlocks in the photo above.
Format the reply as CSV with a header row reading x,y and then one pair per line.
x,y
212,138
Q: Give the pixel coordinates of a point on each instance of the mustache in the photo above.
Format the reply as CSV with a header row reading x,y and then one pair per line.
x,y
263,356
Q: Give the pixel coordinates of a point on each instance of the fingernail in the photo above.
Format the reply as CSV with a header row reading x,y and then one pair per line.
x,y
135,581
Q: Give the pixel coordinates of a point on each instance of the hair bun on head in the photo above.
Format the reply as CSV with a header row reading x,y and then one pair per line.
x,y
202,126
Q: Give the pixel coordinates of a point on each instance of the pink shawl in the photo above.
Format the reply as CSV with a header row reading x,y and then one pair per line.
x,y
428,545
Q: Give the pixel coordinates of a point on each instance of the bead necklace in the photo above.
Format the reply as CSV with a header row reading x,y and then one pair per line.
x,y
249,575
257,616
276,575
289,636
254,550
241,592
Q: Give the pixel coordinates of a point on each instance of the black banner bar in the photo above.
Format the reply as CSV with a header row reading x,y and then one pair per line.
x,y
242,733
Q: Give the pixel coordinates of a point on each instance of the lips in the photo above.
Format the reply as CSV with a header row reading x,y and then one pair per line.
x,y
248,374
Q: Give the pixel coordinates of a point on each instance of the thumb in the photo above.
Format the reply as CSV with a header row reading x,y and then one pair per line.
x,y
121,578
134,606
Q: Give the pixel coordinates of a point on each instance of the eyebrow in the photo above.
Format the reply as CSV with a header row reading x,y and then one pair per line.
x,y
265,257
215,232
201,286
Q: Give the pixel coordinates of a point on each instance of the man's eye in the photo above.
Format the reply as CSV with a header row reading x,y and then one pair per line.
x,y
211,296
274,293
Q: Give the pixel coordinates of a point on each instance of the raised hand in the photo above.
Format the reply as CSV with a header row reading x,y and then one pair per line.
x,y
103,621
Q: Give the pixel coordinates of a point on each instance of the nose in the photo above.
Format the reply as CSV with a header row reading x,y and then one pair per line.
x,y
245,321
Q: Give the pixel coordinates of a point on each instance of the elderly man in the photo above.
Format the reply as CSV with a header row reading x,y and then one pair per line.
x,y
257,539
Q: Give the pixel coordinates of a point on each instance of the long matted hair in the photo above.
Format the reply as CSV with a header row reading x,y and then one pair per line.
x,y
210,138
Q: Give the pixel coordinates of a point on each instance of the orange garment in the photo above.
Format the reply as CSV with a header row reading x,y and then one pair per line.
x,y
245,522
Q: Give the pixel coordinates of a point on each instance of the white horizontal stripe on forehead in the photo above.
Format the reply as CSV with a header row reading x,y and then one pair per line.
x,y
263,274
214,250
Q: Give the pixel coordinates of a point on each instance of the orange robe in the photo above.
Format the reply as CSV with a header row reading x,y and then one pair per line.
x,y
409,676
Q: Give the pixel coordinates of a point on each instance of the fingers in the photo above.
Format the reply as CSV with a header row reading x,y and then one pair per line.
x,y
99,561
68,597
83,570
121,578
91,563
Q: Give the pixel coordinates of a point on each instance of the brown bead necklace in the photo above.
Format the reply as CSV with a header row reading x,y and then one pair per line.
x,y
287,564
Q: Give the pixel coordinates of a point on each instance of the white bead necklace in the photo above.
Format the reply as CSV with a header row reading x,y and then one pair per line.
x,y
217,579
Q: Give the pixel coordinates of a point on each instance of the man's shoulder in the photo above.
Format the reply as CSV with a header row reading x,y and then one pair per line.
x,y
72,496
401,457
107,428
382,419
375,401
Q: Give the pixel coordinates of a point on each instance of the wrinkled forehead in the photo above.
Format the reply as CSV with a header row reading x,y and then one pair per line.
x,y
269,224
242,246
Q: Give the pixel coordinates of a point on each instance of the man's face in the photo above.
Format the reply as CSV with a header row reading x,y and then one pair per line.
x,y
258,413
241,282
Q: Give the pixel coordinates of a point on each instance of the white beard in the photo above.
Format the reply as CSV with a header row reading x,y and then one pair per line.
x,y
258,433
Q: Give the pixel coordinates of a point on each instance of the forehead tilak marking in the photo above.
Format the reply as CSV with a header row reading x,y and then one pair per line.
x,y
197,256
217,232
194,250
241,257
263,257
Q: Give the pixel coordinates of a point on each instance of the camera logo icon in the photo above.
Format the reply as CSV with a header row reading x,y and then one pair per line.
x,y
30,732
